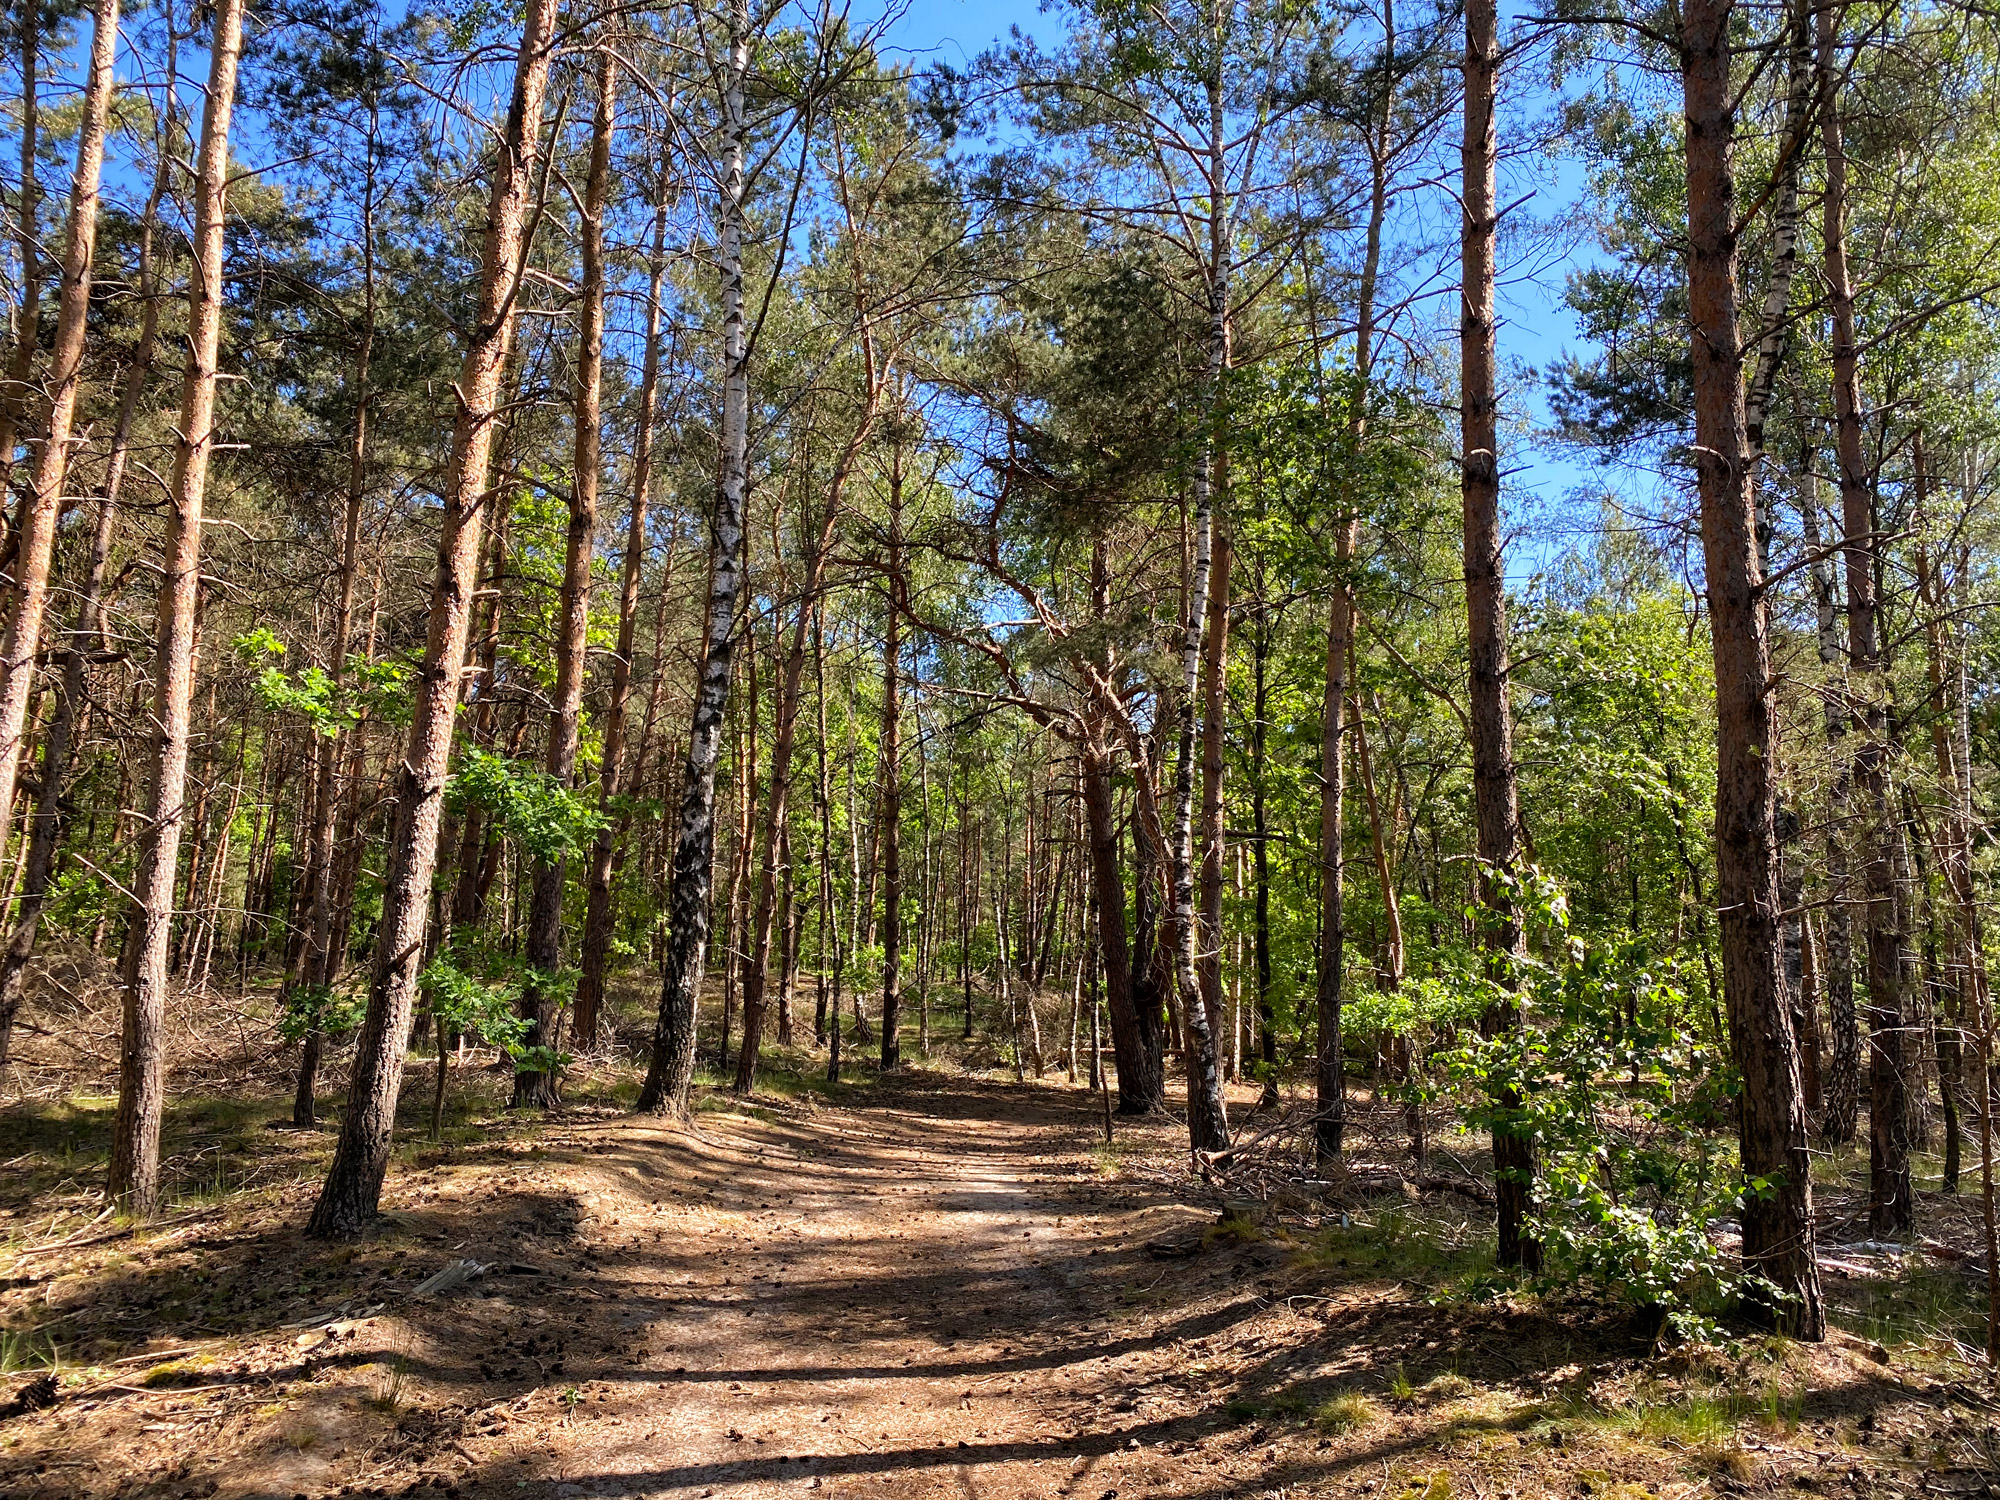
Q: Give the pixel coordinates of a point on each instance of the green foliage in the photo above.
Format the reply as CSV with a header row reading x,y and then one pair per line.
x,y
549,820
469,1003
1619,1096
330,1011
377,690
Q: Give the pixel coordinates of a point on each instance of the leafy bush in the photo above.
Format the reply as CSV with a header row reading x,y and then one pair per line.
x,y
1617,1092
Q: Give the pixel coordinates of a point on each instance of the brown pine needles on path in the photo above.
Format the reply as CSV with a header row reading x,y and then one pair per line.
x,y
938,1286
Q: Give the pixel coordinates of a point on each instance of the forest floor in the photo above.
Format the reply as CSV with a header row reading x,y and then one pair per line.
x,y
934,1284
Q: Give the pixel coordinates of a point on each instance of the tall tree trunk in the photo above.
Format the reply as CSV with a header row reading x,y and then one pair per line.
x,y
477,838
1891,1204
1494,797
892,786
535,1085
1777,1224
135,1141
45,830
1208,1123
672,1068
597,905
353,1187
774,870
1260,854
1214,693
1330,1064
36,536
322,966
1841,1113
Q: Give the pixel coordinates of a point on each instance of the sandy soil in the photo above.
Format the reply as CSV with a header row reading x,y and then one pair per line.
x,y
949,1290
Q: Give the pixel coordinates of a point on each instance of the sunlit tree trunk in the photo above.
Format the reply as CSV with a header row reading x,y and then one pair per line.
x,y
353,1186
671,1071
36,536
1208,1124
135,1142
535,1084
17,657
892,783
18,389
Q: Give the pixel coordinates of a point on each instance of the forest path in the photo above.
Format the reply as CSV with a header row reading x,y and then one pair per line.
x,y
933,1294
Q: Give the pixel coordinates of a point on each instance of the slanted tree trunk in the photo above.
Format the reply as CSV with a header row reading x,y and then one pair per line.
x,y
535,1085
36,538
353,1186
135,1141
1778,1223
1493,785
672,1067
590,986
1891,1203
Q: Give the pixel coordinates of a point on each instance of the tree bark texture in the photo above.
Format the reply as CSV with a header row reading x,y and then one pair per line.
x,y
135,1142
349,1197
671,1070
1777,1203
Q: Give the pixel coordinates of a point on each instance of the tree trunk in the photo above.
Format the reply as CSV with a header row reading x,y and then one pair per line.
x,y
597,906
535,1086
892,789
353,1186
1213,765
45,830
1842,1093
1260,854
774,869
322,967
1208,1122
1777,1223
1494,796
36,537
672,1068
135,1143
1891,1204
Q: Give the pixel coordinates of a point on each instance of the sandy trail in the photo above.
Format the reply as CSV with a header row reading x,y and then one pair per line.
x,y
923,1297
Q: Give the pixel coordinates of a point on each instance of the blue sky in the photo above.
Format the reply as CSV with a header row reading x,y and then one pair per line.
x,y
1536,327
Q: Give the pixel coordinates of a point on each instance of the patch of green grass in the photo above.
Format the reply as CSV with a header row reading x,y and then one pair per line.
x,y
1401,1387
23,1349
1433,1248
1701,1420
1236,1229
1344,1413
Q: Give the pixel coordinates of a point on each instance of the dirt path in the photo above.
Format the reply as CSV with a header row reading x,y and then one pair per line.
x,y
936,1293
918,1298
